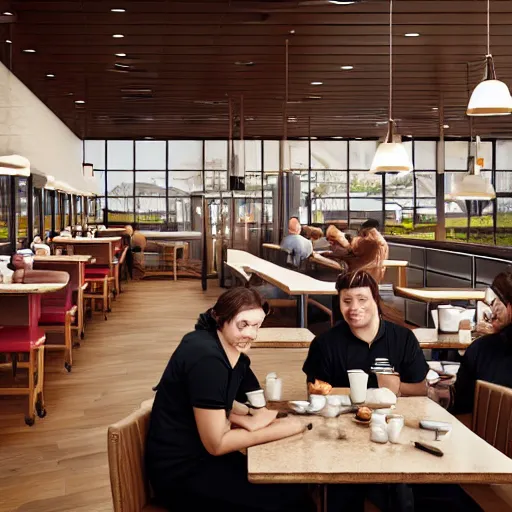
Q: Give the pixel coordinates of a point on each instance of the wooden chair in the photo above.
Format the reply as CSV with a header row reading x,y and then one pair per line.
x,y
119,268
30,341
126,447
57,316
492,421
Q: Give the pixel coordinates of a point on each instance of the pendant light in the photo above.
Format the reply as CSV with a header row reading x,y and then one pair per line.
x,y
285,157
391,156
473,186
490,97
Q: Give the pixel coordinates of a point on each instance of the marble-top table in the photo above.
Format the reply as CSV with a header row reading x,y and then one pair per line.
x,y
283,337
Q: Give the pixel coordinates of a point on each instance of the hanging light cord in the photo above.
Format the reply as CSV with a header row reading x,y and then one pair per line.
x,y
390,59
488,27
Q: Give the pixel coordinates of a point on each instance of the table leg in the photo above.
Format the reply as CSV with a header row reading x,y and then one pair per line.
x,y
324,498
402,276
302,310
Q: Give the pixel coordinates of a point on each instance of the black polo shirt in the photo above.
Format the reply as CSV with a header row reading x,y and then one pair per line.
x,y
200,375
338,350
488,358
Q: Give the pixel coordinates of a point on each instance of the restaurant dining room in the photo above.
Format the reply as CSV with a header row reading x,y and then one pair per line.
x,y
255,255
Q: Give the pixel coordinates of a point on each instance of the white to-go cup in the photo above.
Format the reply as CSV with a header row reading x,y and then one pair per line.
x,y
274,390
395,426
257,398
358,383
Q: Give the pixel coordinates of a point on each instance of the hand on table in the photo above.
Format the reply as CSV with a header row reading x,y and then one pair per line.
x,y
259,419
390,381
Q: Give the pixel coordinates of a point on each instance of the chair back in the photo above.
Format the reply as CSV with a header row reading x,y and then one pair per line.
x,y
62,299
492,415
126,449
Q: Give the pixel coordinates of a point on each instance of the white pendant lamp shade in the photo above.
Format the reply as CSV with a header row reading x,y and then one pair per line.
x,y
490,98
472,187
391,157
14,165
285,156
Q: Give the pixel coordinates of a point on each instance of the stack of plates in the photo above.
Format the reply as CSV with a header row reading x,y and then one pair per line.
x,y
382,365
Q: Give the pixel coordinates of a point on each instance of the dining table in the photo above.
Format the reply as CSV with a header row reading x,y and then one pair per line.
x,y
339,451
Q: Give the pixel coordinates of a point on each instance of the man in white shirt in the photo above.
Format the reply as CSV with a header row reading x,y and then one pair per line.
x,y
300,248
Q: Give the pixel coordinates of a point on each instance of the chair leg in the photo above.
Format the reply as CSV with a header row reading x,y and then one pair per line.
x,y
30,418
174,263
68,348
40,409
106,306
14,362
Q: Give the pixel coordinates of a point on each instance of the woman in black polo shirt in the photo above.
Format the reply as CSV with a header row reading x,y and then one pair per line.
x,y
193,459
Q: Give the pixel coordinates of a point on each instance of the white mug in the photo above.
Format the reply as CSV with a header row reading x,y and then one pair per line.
x,y
257,398
358,383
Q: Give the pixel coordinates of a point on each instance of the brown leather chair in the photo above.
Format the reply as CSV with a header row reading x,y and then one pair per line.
x,y
126,446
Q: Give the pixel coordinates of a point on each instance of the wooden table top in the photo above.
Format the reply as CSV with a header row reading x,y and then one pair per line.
x,y
28,289
283,337
172,235
432,339
319,258
103,240
287,280
77,258
319,456
440,294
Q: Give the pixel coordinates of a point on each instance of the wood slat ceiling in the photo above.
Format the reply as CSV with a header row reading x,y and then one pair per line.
x,y
180,66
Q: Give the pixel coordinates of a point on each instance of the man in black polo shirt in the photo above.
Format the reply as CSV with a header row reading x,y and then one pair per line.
x,y
361,338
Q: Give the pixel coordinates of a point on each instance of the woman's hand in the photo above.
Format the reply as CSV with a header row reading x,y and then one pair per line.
x,y
289,426
260,418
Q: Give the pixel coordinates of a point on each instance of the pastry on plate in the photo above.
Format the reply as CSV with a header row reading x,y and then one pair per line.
x,y
319,387
364,414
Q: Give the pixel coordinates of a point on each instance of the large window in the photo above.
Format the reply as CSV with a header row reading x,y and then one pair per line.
x,y
5,213
151,182
21,213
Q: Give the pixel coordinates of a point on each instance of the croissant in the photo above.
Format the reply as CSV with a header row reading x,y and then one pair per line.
x,y
319,387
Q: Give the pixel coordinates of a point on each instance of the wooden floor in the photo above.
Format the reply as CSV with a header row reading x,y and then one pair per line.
x,y
60,464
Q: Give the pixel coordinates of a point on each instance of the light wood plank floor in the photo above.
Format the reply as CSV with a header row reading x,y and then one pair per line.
x,y
60,464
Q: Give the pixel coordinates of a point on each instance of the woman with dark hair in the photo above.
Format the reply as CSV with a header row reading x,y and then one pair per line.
x,y
488,358
198,426
362,337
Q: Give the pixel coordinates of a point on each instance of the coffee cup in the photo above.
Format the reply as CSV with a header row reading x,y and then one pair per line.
x,y
257,398
358,384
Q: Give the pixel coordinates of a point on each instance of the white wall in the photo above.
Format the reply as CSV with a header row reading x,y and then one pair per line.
x,y
30,129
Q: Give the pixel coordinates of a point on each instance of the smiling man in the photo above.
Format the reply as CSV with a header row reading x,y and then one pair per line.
x,y
361,338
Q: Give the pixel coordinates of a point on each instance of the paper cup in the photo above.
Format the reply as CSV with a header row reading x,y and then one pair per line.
x,y
257,398
358,383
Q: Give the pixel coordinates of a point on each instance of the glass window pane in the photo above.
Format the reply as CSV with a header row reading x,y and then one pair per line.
x,y
425,184
503,181
120,184
186,154
456,155
95,210
120,209
450,178
425,156
363,184
48,201
252,154
361,153
329,154
216,154
99,177
150,211
253,181
21,213
149,183
36,209
299,154
185,182
95,153
120,155
482,223
363,208
271,155
400,186
327,183
215,180
504,223
504,155
5,206
150,155
485,152
179,214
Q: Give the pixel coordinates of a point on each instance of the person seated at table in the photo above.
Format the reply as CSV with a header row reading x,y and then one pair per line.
x,y
300,248
21,265
197,430
488,358
363,336
367,251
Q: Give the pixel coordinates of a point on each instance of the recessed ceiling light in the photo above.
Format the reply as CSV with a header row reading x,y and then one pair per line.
x,y
292,32
7,13
79,102
337,137
148,138
446,126
338,2
244,63
8,41
346,68
410,135
314,97
29,50
118,10
435,108
317,83
359,138
50,75
118,36
121,65
120,54
412,34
